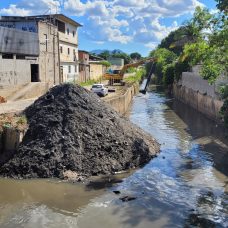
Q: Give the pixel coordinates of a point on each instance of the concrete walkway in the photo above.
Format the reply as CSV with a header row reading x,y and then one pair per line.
x,y
20,105
15,106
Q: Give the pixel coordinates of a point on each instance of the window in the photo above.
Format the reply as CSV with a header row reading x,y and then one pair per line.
x,y
61,49
73,33
46,41
7,56
68,51
20,56
75,69
61,26
68,31
97,86
74,55
69,69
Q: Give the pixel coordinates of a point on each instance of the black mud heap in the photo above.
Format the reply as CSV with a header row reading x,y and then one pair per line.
x,y
70,128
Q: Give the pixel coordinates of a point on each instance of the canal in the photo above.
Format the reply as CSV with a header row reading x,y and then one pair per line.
x,y
186,185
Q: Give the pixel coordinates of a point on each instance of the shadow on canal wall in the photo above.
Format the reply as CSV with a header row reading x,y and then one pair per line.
x,y
209,106
210,136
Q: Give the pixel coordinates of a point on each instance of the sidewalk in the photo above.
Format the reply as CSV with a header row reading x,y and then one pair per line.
x,y
15,106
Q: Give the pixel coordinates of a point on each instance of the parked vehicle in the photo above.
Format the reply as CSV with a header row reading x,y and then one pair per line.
x,y
100,89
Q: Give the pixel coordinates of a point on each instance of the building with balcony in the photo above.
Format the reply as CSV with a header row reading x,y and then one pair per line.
x,y
68,47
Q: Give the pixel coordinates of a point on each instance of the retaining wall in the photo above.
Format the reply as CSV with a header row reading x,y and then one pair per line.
x,y
121,103
206,104
10,139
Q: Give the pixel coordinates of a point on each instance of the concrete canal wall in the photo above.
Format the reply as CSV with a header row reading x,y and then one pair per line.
x,y
10,139
193,90
122,102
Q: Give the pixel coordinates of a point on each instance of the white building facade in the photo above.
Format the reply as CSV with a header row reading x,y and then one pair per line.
x,y
68,48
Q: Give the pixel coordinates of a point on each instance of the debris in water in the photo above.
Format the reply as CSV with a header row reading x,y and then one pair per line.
x,y
127,198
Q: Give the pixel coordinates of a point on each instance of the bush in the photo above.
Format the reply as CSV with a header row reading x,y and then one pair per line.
x,y
210,71
89,82
224,91
180,67
224,112
139,75
106,63
131,70
168,74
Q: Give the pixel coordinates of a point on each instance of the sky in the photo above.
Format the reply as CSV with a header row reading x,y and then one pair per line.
x,y
129,25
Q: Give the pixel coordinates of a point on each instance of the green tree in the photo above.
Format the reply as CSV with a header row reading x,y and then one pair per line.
x,y
222,5
104,55
106,63
164,57
135,55
124,56
168,74
170,42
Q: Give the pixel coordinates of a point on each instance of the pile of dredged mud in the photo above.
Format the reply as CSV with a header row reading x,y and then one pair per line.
x,y
72,129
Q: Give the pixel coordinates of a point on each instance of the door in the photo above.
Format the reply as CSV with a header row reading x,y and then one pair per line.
x,y
35,73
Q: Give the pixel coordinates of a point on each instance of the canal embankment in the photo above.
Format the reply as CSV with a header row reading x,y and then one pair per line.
x,y
196,92
121,101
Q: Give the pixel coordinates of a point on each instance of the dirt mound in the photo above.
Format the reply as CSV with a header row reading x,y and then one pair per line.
x,y
71,129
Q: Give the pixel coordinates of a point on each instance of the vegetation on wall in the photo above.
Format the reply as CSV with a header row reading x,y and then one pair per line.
x,y
201,40
137,77
106,63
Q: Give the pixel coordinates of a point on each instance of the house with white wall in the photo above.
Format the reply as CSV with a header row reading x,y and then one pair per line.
x,y
66,37
68,47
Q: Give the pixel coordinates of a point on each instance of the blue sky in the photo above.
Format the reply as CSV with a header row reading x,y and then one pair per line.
x,y
129,25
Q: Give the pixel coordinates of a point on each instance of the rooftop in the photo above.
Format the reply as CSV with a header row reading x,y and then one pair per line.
x,y
49,17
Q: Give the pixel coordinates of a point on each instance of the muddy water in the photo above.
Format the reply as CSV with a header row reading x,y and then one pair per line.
x,y
185,186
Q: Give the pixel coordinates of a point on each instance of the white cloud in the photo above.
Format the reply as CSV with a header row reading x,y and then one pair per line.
x,y
130,3
25,8
120,21
151,45
13,10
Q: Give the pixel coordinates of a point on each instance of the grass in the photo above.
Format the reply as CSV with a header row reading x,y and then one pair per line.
x,y
89,82
137,77
14,121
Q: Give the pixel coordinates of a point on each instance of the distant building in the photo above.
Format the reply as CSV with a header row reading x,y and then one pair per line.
x,y
116,63
84,71
63,34
97,69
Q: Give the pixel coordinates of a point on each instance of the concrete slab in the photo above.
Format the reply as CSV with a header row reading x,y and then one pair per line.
x,y
15,106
